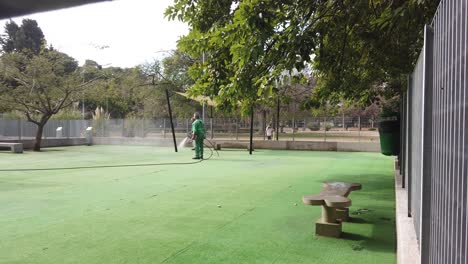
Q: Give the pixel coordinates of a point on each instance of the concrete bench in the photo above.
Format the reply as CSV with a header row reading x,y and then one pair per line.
x,y
335,202
15,147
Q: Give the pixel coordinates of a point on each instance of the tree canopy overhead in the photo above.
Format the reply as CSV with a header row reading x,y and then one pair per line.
x,y
353,45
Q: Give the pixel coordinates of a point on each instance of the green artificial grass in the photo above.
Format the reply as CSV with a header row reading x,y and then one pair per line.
x,y
234,208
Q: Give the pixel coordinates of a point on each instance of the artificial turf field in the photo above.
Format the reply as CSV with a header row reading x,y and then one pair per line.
x,y
234,208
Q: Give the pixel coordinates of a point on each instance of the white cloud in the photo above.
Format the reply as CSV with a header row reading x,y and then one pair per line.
x,y
133,30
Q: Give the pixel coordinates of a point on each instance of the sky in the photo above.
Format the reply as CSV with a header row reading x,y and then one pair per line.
x,y
121,33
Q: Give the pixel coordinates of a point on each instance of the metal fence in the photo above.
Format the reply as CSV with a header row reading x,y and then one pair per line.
x,y
22,129
435,132
342,128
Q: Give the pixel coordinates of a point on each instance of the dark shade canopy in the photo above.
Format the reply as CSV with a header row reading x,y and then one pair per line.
x,y
13,8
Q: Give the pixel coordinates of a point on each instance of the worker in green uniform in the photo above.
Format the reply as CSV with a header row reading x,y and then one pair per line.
x,y
198,135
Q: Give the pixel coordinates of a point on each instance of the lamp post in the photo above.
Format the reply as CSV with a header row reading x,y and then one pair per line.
x,y
203,107
342,115
82,94
251,129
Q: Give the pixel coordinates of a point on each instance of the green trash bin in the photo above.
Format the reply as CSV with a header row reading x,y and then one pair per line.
x,y
389,132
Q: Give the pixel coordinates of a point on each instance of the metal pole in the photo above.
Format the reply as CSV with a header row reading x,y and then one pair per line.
x,y
342,112
251,130
212,131
203,113
104,127
170,116
325,128
123,127
164,127
277,118
426,186
237,129
203,108
294,128
359,128
20,132
83,102
294,122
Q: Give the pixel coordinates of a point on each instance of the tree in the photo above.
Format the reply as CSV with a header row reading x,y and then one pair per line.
x,y
176,73
352,44
39,86
369,43
172,74
27,38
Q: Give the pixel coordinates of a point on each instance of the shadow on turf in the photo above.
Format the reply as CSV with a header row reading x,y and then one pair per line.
x,y
379,187
7,151
233,149
357,220
10,185
353,237
52,150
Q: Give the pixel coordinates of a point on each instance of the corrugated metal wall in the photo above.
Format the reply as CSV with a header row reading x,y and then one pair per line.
x,y
435,157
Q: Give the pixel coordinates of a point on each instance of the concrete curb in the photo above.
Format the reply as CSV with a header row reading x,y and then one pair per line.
x,y
258,144
49,142
407,243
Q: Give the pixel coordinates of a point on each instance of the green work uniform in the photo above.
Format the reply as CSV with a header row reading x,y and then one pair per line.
x,y
198,129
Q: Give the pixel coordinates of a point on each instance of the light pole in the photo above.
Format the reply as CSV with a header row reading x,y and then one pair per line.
x,y
203,107
342,115
82,94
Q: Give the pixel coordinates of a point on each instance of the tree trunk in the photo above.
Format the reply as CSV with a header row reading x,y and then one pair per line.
x,y
37,143
40,129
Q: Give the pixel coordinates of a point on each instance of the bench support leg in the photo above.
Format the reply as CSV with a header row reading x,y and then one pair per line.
x,y
328,214
342,214
327,225
327,229
17,149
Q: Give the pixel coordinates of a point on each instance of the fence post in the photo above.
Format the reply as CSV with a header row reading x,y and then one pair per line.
x,y
44,132
68,128
187,121
251,130
342,116
211,123
123,127
325,127
237,129
426,186
164,127
277,119
359,128
19,129
410,148
294,128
